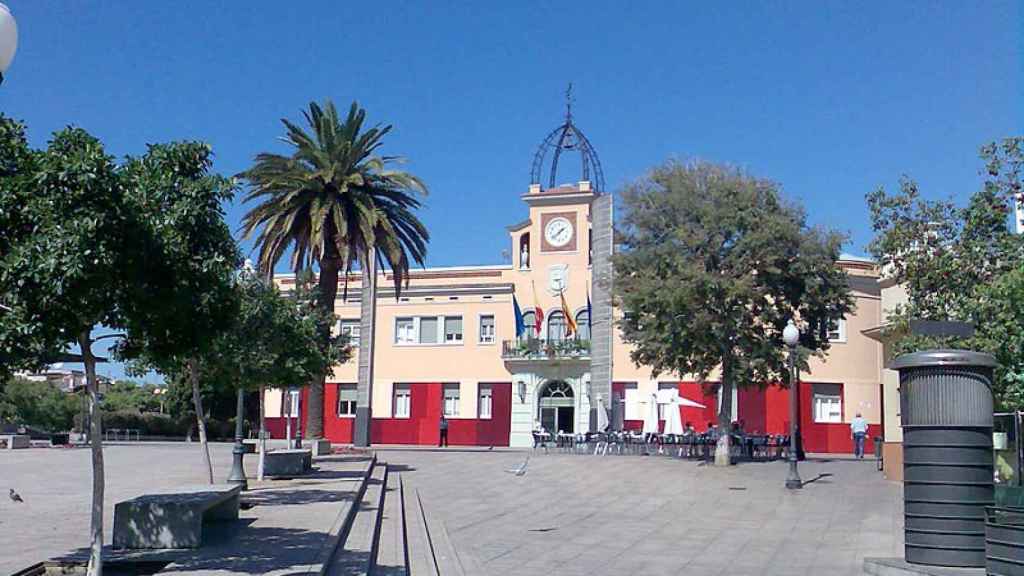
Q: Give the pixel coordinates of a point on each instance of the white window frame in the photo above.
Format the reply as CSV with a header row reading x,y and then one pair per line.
x,y
346,326
401,409
631,401
413,332
294,399
485,403
665,386
839,332
457,337
414,339
834,416
487,338
352,402
438,330
451,402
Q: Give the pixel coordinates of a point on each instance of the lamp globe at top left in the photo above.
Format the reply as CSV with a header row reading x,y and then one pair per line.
x,y
8,38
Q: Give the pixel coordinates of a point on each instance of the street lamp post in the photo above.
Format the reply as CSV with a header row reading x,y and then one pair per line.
x,y
8,39
237,475
791,336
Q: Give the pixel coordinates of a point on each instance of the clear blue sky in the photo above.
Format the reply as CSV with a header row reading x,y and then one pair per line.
x,y
830,99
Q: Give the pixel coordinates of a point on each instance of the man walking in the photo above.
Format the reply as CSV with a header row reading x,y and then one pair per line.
x,y
859,429
443,425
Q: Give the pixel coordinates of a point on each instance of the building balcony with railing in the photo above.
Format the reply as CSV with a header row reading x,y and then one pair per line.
x,y
540,349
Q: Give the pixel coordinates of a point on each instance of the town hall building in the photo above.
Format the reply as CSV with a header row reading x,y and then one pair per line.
x,y
448,344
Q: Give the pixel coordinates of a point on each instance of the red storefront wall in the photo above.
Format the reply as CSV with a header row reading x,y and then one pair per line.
x,y
767,411
421,427
698,417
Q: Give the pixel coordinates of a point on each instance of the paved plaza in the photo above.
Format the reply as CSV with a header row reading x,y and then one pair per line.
x,y
569,514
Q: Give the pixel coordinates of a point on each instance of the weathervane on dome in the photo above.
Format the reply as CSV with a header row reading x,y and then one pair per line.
x,y
567,137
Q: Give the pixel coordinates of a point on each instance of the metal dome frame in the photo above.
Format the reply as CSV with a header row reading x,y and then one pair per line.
x,y
567,137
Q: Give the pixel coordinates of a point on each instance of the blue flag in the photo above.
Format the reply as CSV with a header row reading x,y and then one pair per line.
x,y
520,326
590,314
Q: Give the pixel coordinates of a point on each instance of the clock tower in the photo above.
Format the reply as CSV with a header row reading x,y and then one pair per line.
x,y
560,253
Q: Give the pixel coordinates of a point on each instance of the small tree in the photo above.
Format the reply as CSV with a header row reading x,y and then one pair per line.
x,y
960,263
189,287
711,266
275,341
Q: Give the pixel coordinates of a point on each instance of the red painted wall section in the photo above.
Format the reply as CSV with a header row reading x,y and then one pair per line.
x,y
770,409
699,417
277,426
426,405
337,429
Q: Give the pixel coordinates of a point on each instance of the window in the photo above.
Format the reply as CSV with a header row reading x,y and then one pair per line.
x,y
828,403
451,400
453,329
661,407
837,330
631,397
350,328
346,400
486,329
405,332
583,325
402,404
486,401
530,323
556,326
428,330
291,404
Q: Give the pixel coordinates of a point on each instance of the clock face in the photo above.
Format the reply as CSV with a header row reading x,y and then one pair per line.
x,y
558,232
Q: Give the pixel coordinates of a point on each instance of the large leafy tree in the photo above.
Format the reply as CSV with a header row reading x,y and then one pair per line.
x,y
335,202
960,263
712,263
90,243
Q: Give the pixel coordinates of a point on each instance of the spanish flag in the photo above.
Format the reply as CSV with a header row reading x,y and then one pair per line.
x,y
570,322
538,312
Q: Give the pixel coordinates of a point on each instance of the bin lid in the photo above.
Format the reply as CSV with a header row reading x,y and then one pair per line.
x,y
944,357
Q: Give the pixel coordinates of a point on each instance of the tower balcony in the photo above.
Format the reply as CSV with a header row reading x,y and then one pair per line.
x,y
538,349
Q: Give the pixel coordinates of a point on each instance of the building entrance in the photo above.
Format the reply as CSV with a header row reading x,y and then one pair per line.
x,y
557,407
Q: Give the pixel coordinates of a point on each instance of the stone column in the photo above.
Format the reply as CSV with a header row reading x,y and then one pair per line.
x,y
601,304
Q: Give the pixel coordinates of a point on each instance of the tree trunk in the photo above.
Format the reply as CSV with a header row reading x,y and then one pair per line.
x,y
328,288
722,449
367,341
95,567
197,400
263,437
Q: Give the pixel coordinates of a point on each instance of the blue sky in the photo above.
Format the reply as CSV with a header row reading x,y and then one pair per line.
x,y
830,99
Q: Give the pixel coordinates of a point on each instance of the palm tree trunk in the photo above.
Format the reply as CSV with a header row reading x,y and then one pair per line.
x,y
722,449
328,284
95,567
367,328
197,400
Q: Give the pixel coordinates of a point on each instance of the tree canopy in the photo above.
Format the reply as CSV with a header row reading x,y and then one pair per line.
x,y
711,265
960,263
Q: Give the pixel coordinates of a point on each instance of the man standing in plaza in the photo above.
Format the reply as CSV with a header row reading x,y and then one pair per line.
x,y
443,425
859,429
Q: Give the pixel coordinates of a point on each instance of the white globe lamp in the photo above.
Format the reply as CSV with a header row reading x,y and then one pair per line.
x,y
791,334
8,39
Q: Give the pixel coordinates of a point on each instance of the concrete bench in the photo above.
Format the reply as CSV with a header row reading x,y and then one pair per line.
x,y
173,518
14,441
287,463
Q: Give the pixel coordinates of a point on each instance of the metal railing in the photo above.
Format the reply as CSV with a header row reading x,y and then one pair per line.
x,y
535,348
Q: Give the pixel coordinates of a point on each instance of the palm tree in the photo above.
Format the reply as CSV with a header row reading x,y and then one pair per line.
x,y
334,202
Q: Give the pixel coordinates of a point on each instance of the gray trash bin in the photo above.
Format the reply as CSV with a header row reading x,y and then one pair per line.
x,y
946,414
